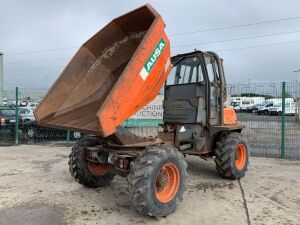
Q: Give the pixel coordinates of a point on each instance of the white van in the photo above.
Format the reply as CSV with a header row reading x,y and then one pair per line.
x,y
245,103
298,109
271,104
290,108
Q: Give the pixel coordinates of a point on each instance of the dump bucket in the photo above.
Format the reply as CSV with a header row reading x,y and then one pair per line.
x,y
113,75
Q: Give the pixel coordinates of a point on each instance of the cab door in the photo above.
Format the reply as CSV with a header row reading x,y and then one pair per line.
x,y
184,90
213,97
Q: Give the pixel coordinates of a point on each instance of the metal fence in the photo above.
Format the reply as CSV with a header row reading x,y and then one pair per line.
x,y
269,131
272,131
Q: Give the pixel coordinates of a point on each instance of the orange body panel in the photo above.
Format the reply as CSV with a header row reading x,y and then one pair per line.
x,y
229,116
132,92
113,75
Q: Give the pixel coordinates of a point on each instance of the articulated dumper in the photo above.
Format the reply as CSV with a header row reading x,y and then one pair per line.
x,y
116,73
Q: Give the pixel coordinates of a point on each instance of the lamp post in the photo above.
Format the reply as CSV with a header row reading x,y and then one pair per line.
x,y
1,78
298,97
296,71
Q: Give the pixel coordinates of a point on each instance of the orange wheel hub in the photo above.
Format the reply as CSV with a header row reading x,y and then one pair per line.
x,y
167,183
240,156
97,169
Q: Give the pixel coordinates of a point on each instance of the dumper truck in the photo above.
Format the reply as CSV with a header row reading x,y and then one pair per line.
x,y
116,73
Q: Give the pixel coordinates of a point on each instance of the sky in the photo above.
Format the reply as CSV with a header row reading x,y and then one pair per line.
x,y
39,37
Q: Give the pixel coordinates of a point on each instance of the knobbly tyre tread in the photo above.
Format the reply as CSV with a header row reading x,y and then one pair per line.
x,y
140,180
225,156
78,165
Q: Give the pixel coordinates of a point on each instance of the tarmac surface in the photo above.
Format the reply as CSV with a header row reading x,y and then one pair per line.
x,y
36,188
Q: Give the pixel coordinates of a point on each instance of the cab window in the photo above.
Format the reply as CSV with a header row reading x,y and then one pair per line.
x,y
216,69
210,68
186,71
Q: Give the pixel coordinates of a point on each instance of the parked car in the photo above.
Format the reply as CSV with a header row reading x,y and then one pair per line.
x,y
11,103
253,108
8,119
235,106
33,131
270,103
32,105
27,114
264,109
243,104
290,109
4,103
258,106
23,103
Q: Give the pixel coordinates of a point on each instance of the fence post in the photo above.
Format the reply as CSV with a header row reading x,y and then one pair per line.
x,y
68,138
17,117
282,151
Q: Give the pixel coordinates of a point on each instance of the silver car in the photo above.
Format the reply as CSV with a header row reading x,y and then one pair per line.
x,y
26,114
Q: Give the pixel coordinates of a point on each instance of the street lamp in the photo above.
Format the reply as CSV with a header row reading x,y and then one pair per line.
x,y
298,107
1,78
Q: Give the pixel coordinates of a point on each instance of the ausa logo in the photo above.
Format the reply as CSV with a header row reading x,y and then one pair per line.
x,y
152,59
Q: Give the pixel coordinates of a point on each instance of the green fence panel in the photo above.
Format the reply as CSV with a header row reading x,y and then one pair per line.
x,y
282,149
68,138
17,117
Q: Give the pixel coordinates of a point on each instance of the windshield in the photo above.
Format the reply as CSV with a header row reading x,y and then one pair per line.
x,y
263,103
24,111
234,103
186,71
8,112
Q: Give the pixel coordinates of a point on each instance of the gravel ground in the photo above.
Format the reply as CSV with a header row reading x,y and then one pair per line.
x,y
36,188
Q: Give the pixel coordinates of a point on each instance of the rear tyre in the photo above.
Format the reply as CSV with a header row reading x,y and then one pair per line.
x,y
12,132
157,180
86,173
232,156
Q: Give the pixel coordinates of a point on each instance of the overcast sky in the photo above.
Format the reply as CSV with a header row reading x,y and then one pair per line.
x,y
35,27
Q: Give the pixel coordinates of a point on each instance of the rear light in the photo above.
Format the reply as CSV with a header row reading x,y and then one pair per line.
x,y
2,120
22,119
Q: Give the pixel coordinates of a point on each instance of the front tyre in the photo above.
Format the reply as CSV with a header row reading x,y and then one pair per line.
x,y
232,156
157,180
87,173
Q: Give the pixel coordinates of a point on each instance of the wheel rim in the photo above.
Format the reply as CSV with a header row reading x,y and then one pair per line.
x,y
167,183
240,156
97,169
76,134
30,132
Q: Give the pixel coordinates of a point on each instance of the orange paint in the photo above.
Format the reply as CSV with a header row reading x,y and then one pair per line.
x,y
167,183
105,83
97,169
229,116
131,93
241,156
